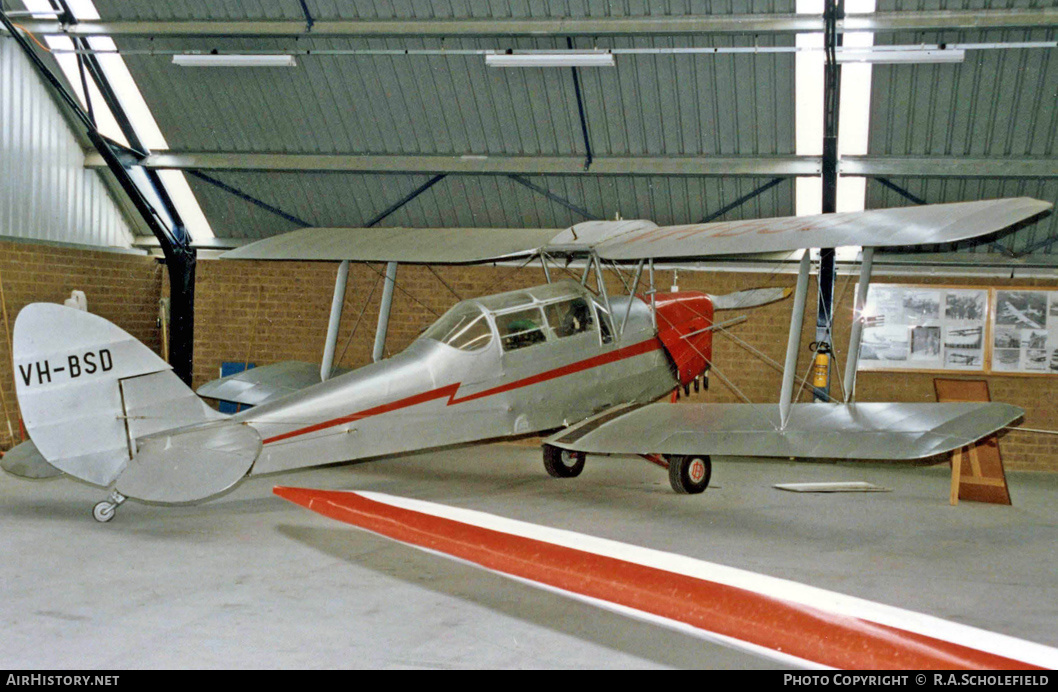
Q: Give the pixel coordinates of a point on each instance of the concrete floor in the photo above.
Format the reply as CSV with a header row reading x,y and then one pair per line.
x,y
251,581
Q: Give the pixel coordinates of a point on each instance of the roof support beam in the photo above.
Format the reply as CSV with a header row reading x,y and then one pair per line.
x,y
561,26
580,109
948,167
741,200
379,218
248,198
553,197
763,166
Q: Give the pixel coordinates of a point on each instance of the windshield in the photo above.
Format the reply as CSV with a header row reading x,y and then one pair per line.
x,y
464,327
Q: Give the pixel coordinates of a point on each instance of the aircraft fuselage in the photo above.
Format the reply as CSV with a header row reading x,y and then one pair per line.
x,y
510,379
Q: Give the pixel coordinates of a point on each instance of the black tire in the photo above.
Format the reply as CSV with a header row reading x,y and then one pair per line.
x,y
562,463
689,474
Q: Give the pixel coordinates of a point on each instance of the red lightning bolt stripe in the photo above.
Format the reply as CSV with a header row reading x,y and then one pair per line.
x,y
450,391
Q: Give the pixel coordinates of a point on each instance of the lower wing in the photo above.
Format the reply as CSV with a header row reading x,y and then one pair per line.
x,y
824,431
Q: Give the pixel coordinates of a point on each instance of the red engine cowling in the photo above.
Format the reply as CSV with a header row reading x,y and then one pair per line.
x,y
683,319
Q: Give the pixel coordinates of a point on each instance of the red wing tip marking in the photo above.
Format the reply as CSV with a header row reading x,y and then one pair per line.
x,y
781,619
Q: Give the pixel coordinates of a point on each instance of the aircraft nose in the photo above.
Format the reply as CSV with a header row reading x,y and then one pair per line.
x,y
684,321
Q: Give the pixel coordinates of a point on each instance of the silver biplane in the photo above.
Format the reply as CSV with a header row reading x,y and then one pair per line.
x,y
103,408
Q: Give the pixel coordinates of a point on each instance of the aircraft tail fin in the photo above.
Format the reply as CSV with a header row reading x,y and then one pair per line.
x,y
88,390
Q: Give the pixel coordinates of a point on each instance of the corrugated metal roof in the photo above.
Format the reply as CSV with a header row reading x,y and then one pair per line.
x,y
427,9
46,193
997,104
648,104
656,105
342,199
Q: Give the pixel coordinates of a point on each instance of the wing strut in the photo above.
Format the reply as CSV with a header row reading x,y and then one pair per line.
x,y
653,304
796,320
852,358
631,296
599,280
383,311
337,303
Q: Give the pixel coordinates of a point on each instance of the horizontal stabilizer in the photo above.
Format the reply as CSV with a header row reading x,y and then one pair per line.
x,y
879,431
750,298
190,464
25,461
259,385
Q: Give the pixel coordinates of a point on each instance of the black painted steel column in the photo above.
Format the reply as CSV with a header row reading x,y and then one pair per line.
x,y
175,243
834,10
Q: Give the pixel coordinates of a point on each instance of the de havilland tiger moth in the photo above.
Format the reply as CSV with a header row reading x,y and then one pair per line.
x,y
103,408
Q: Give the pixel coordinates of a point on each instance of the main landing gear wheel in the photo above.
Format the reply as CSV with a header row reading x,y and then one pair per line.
x,y
104,511
689,474
562,463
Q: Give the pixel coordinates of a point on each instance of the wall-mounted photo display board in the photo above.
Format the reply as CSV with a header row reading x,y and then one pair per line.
x,y
925,328
1025,332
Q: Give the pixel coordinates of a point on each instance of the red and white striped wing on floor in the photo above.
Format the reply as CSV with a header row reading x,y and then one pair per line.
x,y
784,620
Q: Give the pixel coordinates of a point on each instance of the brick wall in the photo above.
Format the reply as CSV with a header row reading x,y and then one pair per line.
x,y
272,311
289,302
123,288
265,312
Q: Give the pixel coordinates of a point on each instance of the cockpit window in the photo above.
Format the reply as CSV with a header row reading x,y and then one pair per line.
x,y
464,327
521,328
569,317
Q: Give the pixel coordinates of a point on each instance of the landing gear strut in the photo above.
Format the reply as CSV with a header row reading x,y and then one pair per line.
x,y
104,511
563,463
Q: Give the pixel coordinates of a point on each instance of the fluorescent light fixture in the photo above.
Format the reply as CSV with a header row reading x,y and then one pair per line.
x,y
557,59
196,60
895,57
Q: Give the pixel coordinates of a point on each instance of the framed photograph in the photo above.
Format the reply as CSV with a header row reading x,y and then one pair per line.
x,y
1025,332
940,328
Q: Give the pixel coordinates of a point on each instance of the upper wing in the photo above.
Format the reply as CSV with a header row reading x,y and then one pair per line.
x,y
922,225
639,239
404,245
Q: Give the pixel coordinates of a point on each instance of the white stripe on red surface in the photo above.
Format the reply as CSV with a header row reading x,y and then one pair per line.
x,y
791,622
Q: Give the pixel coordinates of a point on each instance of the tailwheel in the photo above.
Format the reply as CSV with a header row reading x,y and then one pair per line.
x,y
689,474
563,463
104,511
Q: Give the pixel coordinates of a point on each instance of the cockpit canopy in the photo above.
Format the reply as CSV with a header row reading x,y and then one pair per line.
x,y
521,318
